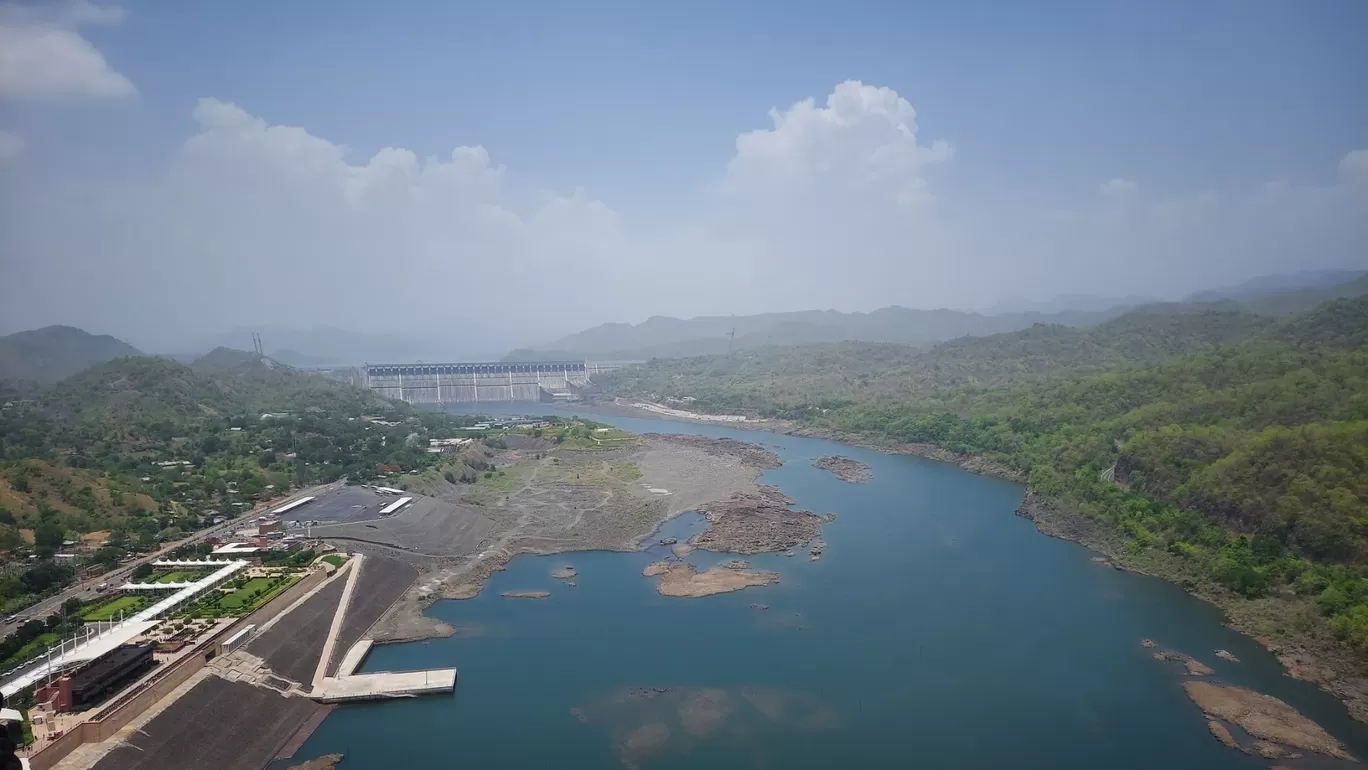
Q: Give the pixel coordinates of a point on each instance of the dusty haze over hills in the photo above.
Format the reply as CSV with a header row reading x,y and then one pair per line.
x,y
210,204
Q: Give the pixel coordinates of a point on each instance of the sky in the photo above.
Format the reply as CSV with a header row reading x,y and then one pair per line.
x,y
503,173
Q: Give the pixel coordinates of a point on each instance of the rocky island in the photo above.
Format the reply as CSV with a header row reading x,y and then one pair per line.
x,y
844,468
760,522
1273,723
684,580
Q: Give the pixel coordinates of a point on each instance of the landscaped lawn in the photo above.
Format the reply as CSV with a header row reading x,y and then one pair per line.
x,y
335,559
241,601
179,577
111,608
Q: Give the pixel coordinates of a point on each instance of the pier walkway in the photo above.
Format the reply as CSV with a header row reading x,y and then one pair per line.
x,y
385,684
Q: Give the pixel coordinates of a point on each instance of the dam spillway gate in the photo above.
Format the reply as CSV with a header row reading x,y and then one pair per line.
x,y
470,383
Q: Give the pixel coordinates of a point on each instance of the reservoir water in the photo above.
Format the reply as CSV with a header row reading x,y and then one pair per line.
x,y
938,630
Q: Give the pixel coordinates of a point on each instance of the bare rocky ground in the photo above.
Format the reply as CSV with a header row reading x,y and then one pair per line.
x,y
753,455
684,580
843,468
759,522
1277,727
563,500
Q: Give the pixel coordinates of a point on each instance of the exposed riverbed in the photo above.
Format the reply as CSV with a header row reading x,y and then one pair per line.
x,y
935,618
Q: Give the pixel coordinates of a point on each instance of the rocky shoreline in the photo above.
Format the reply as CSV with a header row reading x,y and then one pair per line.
x,y
844,468
754,455
692,468
1318,658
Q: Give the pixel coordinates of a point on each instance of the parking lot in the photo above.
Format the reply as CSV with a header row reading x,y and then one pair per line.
x,y
342,505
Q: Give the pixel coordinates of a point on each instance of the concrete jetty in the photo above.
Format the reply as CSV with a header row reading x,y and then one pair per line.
x,y
352,661
346,686
385,685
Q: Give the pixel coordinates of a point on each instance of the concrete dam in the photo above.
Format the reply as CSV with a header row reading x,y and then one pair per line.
x,y
471,383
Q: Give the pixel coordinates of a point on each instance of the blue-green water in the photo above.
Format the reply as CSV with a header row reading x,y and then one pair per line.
x,y
938,631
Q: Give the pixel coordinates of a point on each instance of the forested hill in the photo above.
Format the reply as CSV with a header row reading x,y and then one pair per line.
x,y
1238,463
54,352
146,448
663,337
778,380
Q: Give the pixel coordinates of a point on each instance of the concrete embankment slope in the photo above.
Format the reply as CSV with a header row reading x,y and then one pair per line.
x,y
291,647
382,584
218,725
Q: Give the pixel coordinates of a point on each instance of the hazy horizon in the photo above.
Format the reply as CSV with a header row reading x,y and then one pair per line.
x,y
500,178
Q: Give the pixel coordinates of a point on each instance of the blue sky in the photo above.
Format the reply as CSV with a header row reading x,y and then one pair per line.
x,y
1198,109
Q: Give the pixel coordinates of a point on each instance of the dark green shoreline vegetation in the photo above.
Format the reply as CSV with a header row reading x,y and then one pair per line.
x,y
1222,450
136,452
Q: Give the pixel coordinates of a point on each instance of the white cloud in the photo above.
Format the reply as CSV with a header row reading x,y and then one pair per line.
x,y
836,205
11,145
43,57
863,142
84,12
1117,187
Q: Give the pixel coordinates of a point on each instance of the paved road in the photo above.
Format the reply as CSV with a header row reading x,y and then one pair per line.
x,y
85,591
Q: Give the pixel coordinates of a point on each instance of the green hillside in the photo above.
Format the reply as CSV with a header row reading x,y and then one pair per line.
x,y
147,448
663,337
1222,449
776,381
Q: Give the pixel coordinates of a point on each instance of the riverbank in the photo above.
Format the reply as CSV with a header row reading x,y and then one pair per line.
x,y
1289,626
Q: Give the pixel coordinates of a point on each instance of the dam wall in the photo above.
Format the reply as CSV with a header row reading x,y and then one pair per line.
x,y
471,383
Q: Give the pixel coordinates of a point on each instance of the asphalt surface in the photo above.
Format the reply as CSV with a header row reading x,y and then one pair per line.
x,y
344,504
378,587
294,644
218,725
427,526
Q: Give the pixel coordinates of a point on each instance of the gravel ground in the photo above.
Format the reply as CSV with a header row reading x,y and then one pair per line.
x,y
427,527
566,501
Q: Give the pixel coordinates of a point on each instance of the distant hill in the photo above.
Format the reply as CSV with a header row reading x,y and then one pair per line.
x,y
1305,299
829,374
663,337
323,346
1280,284
56,352
299,360
1063,303
228,360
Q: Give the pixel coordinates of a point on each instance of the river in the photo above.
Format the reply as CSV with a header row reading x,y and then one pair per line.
x,y
939,630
